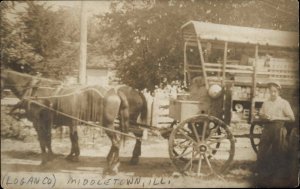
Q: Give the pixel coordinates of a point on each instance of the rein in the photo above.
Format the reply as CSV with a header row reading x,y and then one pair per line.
x,y
65,95
24,86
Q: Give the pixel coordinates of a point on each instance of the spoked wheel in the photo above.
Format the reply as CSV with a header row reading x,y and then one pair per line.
x,y
255,134
184,145
201,146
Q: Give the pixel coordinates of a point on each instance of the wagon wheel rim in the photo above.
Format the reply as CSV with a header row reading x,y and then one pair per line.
x,y
174,123
255,134
200,146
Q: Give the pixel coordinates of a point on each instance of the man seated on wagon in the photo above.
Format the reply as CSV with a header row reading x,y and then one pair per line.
x,y
271,157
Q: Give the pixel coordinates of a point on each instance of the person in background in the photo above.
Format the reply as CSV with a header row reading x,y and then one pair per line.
x,y
273,145
164,83
244,58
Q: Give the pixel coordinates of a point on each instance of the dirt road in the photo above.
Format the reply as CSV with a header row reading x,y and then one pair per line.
x,y
21,160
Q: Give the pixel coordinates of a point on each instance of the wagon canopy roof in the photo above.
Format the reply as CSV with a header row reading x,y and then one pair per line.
x,y
238,34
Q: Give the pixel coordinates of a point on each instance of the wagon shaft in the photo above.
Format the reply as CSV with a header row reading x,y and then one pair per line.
x,y
164,132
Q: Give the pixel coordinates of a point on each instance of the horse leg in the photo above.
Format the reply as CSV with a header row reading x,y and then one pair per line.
x,y
47,125
70,156
116,159
48,138
73,156
38,127
112,158
109,156
137,149
76,146
113,155
110,111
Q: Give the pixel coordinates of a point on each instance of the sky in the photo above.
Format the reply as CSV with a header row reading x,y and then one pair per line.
x,y
92,7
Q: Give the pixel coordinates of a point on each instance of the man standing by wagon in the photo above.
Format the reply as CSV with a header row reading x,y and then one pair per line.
x,y
273,144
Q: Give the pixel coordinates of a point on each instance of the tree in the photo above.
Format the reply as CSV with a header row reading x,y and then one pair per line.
x,y
33,36
144,36
39,36
135,37
43,28
15,52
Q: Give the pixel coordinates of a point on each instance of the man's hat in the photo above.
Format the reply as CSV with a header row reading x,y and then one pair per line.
x,y
275,83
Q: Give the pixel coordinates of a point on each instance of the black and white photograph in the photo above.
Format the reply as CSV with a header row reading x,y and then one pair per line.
x,y
149,94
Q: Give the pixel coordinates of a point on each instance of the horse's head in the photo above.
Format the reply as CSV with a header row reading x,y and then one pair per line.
x,y
17,82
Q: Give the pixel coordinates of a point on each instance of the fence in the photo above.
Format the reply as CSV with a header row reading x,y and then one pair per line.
x,y
158,107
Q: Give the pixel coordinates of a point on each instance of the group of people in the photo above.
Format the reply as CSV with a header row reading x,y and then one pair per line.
x,y
274,162
169,89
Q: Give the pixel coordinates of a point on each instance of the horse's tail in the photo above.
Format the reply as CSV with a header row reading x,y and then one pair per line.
x,y
124,115
144,110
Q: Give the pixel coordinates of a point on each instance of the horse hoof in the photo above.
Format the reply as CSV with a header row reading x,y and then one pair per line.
x,y
51,157
72,158
134,161
116,168
106,171
109,171
43,163
75,159
68,158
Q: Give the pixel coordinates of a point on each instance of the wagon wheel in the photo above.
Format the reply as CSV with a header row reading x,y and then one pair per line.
x,y
255,134
195,143
183,147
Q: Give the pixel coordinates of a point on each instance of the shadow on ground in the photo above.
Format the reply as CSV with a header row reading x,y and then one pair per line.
x,y
29,161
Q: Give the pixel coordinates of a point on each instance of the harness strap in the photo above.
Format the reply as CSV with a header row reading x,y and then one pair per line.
x,y
83,121
116,88
66,95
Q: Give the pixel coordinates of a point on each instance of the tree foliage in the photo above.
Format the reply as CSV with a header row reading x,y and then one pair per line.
x,y
14,50
36,35
143,37
43,28
145,40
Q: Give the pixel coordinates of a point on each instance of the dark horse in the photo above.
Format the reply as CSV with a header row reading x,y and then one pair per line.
x,y
136,104
94,103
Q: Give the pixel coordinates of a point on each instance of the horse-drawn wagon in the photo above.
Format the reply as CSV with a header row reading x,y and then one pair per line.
x,y
226,69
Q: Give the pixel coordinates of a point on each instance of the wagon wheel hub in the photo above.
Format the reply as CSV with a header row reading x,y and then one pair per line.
x,y
202,148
